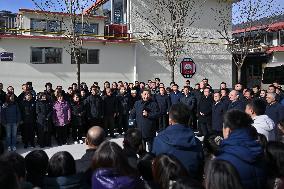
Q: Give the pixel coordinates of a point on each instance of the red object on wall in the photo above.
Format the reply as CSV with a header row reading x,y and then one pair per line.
x,y
117,31
187,68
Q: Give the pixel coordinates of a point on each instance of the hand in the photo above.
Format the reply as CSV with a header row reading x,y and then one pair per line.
x,y
114,115
145,113
201,113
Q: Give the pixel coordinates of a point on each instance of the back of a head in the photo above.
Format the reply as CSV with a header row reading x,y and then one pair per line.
x,y
210,144
236,119
110,155
95,136
8,178
61,164
179,113
186,183
258,106
222,175
167,168
36,162
133,138
17,162
275,158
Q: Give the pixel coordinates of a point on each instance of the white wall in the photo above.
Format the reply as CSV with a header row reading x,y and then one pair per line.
x,y
115,63
213,61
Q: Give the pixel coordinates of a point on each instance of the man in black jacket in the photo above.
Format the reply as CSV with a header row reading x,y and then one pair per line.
x,y
236,103
190,101
95,109
146,112
110,111
205,112
2,95
123,110
164,103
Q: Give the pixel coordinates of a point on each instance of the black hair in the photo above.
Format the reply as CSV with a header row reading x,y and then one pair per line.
x,y
223,83
95,83
167,168
250,92
262,140
1,147
17,162
186,183
179,113
158,79
222,175
272,86
133,138
8,177
175,85
210,144
110,155
144,166
275,159
236,119
256,86
61,164
36,162
258,106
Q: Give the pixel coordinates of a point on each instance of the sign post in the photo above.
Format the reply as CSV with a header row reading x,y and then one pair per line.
x,y
187,68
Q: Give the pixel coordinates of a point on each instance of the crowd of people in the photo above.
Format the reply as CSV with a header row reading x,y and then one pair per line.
x,y
242,146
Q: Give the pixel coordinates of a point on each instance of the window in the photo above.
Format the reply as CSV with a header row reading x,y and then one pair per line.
x,y
46,55
272,74
88,28
46,25
88,56
281,37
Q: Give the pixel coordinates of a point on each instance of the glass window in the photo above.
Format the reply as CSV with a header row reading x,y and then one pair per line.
x,y
118,11
281,42
37,24
88,28
46,55
53,26
87,56
107,11
272,74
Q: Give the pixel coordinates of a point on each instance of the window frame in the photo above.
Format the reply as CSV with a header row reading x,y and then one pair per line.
x,y
88,57
43,55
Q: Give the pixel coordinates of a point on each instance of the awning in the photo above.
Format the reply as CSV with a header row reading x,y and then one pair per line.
x,y
276,26
276,49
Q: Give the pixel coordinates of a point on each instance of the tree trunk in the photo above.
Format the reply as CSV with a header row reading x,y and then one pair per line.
x,y
173,73
78,69
239,73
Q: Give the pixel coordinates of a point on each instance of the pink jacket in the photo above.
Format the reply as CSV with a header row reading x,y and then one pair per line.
x,y
61,113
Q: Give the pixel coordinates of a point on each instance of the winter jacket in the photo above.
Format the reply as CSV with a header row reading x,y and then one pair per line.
x,y
109,179
147,125
245,154
44,113
264,125
190,101
275,112
205,107
180,141
226,101
28,110
123,104
218,110
78,112
237,105
2,97
61,113
110,105
11,113
63,182
94,105
164,103
175,96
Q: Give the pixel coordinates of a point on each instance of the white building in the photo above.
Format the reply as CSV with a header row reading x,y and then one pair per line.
x,y
39,49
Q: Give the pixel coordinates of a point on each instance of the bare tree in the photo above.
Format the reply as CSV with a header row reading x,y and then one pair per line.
x,y
166,24
72,25
245,13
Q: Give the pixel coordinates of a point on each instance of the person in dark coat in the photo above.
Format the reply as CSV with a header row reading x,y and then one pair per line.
x,y
44,120
133,98
205,113
179,140
175,95
164,103
123,110
241,150
2,95
94,106
236,103
225,98
28,110
49,91
190,101
78,112
110,111
146,113
218,110
274,110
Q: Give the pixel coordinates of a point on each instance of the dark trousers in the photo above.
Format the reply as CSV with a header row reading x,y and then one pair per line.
x,y
61,134
149,142
44,136
28,130
109,125
193,121
122,123
163,122
77,132
204,128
